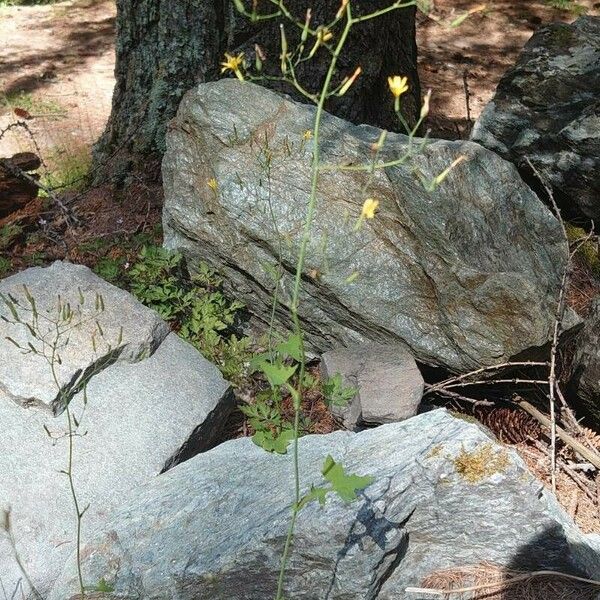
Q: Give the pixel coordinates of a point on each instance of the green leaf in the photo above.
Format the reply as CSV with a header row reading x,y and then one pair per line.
x,y
292,347
278,374
272,443
345,486
316,493
101,586
336,393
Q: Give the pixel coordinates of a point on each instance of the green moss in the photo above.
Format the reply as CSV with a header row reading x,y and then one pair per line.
x,y
5,266
480,463
435,451
463,417
588,252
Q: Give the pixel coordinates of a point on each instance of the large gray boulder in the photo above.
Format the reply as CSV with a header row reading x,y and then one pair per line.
x,y
465,276
444,494
586,365
547,108
125,330
135,421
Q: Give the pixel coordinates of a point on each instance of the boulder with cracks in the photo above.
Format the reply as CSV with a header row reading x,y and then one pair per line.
x,y
444,494
140,401
466,275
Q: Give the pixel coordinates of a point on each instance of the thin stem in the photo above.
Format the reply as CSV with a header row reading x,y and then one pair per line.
x,y
295,301
53,361
383,11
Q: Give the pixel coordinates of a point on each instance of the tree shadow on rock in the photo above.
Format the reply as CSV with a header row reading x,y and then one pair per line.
x,y
566,564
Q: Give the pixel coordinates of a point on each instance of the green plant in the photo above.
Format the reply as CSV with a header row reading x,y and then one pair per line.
x,y
35,105
588,250
567,5
5,266
47,335
8,234
110,269
336,393
195,305
68,169
36,259
284,366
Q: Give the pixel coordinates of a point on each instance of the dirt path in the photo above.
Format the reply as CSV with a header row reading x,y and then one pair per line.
x,y
57,63
475,55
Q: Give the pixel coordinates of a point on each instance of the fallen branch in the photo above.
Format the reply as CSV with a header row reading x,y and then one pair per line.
x,y
505,365
589,455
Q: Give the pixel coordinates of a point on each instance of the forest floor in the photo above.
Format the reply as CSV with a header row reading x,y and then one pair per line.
x,y
58,64
56,72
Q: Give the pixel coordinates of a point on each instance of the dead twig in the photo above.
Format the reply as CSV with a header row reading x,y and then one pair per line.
x,y
514,381
500,366
465,77
589,455
504,583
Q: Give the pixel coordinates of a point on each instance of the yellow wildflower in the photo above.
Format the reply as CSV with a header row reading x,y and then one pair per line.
x,y
369,207
307,135
342,8
324,35
398,85
425,107
212,184
349,81
234,63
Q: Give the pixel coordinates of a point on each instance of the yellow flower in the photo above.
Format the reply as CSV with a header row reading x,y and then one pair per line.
x,y
398,85
369,207
342,9
234,63
307,135
212,184
425,107
324,35
349,81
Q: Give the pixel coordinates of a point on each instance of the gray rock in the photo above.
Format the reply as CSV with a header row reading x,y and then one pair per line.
x,y
444,494
388,382
136,420
547,108
465,276
586,365
124,331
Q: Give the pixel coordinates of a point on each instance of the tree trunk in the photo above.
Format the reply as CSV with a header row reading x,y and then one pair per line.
x,y
165,47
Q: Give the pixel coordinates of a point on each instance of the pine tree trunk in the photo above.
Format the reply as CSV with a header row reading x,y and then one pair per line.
x,y
165,47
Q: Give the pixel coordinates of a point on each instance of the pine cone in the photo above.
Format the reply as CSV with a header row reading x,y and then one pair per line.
x,y
510,425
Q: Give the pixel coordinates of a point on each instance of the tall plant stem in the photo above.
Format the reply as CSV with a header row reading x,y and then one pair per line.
x,y
308,223
69,471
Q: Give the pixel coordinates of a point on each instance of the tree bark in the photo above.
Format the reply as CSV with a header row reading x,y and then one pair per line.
x,y
165,47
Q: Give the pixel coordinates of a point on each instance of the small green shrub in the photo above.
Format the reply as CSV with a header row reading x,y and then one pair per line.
x,y
9,234
336,393
587,251
5,266
195,305
110,269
